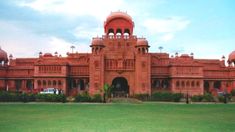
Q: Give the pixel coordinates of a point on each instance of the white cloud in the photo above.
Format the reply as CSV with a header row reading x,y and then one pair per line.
x,y
62,46
87,33
172,24
21,42
167,37
95,8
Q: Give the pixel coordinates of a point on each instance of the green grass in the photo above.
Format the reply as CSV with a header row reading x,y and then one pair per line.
x,y
117,117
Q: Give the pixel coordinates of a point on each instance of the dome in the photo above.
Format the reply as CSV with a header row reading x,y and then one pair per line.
x,y
142,42
97,41
3,55
231,57
118,14
47,55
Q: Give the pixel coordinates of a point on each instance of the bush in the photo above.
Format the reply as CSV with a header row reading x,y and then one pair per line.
x,y
166,96
96,98
197,98
26,97
85,97
16,97
208,98
142,97
177,96
233,92
51,98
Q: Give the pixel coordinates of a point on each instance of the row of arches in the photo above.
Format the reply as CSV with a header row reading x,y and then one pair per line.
x,y
142,50
49,83
215,84
157,83
187,84
118,32
81,84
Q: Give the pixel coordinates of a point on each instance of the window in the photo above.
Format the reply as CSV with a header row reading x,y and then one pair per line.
x,y
54,82
49,83
44,82
198,84
177,84
217,84
39,83
187,84
165,84
192,84
182,83
59,82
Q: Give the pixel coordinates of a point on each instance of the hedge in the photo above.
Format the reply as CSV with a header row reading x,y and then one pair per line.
x,y
166,96
23,97
85,97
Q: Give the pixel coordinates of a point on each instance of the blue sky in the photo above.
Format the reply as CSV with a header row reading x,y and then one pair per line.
x,y
204,27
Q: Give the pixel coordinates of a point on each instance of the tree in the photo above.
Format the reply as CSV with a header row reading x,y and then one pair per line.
x,y
107,91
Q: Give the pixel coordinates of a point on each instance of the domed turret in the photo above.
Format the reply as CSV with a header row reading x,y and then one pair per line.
x,y
118,24
3,56
142,45
97,41
142,42
97,45
231,58
47,55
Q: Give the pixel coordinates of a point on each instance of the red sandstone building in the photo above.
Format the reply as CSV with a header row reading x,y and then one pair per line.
x,y
121,59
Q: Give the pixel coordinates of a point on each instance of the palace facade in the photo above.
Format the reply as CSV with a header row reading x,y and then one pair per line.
x,y
122,60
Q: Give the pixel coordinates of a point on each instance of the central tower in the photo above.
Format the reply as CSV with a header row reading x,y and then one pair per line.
x,y
119,58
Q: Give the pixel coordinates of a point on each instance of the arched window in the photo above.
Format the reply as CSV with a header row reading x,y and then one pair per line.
x,y
82,84
118,32
198,83
111,32
187,84
182,84
44,82
217,84
127,32
59,82
54,82
165,84
206,86
29,84
156,83
49,82
39,83
192,84
74,83
177,83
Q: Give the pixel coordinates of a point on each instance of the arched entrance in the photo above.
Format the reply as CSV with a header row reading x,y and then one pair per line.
x,y
120,87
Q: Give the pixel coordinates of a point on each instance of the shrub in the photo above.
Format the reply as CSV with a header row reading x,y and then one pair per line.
x,y
197,98
16,97
26,97
96,98
166,96
208,98
51,98
85,97
177,96
233,92
142,97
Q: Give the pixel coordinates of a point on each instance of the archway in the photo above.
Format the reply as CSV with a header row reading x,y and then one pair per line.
x,y
120,86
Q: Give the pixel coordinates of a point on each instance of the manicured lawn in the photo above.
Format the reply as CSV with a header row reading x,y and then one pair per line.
x,y
154,117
